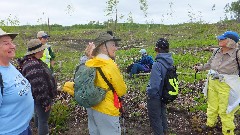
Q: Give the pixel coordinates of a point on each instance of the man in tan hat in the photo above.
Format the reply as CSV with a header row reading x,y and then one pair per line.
x,y
49,55
16,101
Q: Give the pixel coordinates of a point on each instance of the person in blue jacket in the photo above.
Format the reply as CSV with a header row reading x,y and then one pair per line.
x,y
16,100
156,107
142,65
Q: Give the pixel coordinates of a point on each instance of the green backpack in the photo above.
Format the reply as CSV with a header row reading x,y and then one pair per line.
x,y
85,92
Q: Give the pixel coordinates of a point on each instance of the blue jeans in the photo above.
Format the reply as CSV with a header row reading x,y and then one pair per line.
x,y
27,131
136,68
157,115
41,119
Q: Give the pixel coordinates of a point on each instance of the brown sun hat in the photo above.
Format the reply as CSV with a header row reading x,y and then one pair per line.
x,y
3,33
103,38
34,46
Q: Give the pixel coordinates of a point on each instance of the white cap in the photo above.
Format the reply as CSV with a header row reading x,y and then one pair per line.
x,y
142,51
42,34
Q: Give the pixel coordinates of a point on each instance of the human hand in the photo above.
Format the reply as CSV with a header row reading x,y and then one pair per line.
x,y
89,49
197,67
52,62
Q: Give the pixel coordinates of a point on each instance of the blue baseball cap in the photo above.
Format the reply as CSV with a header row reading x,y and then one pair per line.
x,y
142,51
229,34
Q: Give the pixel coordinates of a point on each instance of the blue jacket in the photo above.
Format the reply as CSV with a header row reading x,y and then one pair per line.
x,y
146,61
158,72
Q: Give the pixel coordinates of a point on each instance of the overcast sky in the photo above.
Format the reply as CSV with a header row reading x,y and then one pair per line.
x,y
83,11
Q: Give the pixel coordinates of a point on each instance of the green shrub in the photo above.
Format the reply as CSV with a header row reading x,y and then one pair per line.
x,y
58,117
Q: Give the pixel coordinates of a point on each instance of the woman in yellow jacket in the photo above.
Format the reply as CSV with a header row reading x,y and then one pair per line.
x,y
103,119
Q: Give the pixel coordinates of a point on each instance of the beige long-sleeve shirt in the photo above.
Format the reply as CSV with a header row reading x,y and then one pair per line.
x,y
223,63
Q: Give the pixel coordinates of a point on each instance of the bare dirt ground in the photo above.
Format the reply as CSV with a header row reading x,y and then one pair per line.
x,y
180,121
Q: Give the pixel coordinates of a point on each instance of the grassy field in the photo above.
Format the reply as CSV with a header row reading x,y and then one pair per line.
x,y
188,43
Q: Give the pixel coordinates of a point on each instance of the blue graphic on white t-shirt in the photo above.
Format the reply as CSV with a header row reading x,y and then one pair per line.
x,y
21,81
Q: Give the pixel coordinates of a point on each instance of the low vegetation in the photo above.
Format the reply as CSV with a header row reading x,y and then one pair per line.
x,y
189,42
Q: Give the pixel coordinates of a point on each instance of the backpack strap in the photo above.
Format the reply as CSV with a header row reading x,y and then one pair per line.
x,y
1,83
78,66
111,87
163,64
105,79
238,62
165,68
171,65
216,51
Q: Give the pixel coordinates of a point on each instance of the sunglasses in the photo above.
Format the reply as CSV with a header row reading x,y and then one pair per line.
x,y
45,37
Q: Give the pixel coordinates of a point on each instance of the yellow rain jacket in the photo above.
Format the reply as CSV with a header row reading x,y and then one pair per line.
x,y
112,73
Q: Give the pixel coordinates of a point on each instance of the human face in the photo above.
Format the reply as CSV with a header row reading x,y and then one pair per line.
x,y
39,55
222,43
7,48
44,40
112,48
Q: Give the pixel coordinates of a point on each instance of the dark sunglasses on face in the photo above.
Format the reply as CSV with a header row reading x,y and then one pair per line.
x,y
45,36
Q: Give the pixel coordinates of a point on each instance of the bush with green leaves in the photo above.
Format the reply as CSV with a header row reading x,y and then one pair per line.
x,y
59,115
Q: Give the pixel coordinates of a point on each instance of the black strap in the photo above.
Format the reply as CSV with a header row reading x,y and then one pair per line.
x,y
109,84
238,62
105,79
216,51
162,64
111,87
1,83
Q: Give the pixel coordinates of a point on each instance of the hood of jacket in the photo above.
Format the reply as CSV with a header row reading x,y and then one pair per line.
x,y
98,62
165,58
158,72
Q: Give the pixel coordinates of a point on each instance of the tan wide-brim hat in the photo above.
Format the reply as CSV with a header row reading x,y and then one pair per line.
x,y
34,46
3,33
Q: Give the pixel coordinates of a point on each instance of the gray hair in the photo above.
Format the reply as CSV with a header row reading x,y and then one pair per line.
x,y
98,49
231,43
